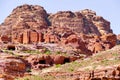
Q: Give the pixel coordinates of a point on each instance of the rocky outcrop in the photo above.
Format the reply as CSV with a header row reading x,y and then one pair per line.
x,y
94,21
43,61
28,24
67,19
22,18
89,43
35,18
11,67
39,61
77,44
85,21
51,38
100,43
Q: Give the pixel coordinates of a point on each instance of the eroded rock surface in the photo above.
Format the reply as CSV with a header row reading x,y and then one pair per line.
x,y
31,24
42,61
11,67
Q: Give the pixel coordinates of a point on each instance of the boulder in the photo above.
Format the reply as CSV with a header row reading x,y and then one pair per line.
x,y
58,59
73,58
12,66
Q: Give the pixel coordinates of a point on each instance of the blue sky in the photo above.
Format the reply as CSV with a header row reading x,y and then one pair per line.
x,y
109,9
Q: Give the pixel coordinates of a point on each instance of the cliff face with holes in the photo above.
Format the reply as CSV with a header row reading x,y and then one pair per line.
x,y
30,29
28,24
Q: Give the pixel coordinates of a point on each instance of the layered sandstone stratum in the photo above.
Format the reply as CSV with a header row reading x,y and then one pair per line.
x,y
28,24
55,39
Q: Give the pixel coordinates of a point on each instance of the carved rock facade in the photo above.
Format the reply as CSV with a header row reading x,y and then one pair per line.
x,y
28,24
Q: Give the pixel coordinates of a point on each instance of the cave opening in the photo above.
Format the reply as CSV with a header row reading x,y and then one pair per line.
x,y
66,60
11,47
42,62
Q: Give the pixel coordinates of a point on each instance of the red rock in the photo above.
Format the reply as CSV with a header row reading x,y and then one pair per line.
x,y
72,39
48,59
51,38
110,38
73,58
29,24
5,38
78,44
23,18
118,68
34,37
39,61
98,47
26,38
58,59
6,77
12,66
47,38
20,38
40,37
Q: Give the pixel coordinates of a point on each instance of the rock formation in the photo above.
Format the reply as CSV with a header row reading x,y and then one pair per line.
x,y
11,67
42,61
28,24
65,35
22,18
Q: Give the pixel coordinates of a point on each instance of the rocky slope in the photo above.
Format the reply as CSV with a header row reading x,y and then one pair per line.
x,y
101,66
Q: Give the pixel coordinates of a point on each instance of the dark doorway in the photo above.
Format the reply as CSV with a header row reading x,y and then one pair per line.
x,y
66,60
11,47
42,62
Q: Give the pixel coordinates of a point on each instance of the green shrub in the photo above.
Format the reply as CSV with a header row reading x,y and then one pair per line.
x,y
32,51
48,52
71,69
58,65
8,51
58,52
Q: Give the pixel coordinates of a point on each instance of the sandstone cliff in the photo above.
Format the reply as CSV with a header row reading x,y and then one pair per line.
x,y
32,39
28,24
